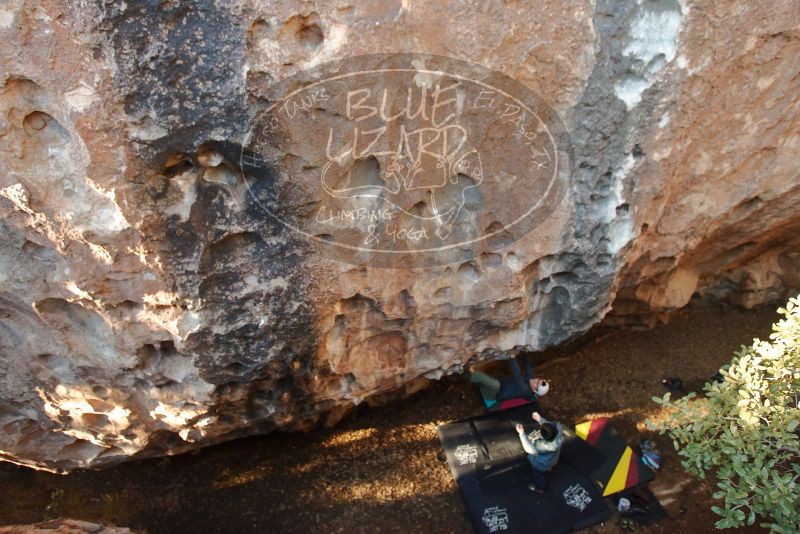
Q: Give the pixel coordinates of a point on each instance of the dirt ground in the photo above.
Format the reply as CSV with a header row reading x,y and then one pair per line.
x,y
377,471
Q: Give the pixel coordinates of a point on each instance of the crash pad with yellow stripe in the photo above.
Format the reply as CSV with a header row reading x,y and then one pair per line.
x,y
621,468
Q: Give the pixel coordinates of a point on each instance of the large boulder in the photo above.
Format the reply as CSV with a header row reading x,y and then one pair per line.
x,y
152,301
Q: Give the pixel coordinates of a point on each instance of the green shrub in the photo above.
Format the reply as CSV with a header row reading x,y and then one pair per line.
x,y
744,430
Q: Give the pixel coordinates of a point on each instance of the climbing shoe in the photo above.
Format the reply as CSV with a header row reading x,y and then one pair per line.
x,y
627,524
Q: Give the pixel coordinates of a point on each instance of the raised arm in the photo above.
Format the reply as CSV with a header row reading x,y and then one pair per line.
x,y
514,367
526,443
528,369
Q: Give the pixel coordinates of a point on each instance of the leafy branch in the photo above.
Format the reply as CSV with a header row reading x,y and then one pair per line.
x,y
744,430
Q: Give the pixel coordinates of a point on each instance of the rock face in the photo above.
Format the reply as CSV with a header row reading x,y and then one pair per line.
x,y
148,305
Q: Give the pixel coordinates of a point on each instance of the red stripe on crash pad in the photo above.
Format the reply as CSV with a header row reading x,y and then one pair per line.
x,y
633,471
513,403
596,429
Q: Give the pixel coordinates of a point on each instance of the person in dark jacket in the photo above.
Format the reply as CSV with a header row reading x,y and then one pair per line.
x,y
543,447
515,386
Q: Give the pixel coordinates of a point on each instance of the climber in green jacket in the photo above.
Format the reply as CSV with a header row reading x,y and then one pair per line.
x,y
515,386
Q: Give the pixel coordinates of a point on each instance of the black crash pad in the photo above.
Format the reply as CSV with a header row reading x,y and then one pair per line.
x,y
622,468
582,456
492,471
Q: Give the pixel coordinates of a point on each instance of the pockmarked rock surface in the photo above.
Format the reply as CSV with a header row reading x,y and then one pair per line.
x,y
151,302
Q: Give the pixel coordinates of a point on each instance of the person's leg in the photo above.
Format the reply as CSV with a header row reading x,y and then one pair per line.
x,y
488,385
540,480
539,483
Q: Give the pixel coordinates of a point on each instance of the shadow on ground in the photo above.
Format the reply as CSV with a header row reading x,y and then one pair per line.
x,y
377,471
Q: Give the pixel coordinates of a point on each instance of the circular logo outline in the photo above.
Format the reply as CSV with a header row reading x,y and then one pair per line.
x,y
558,152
